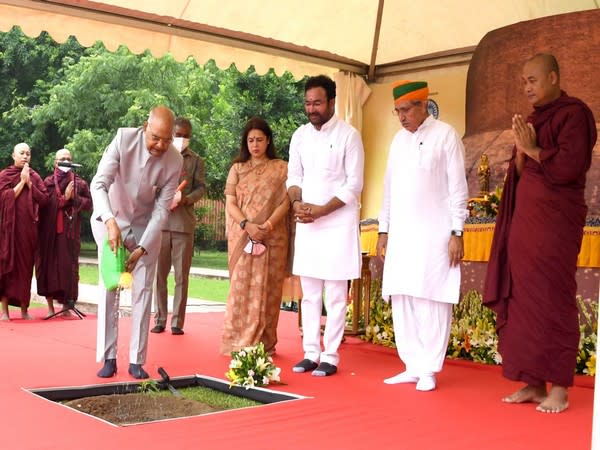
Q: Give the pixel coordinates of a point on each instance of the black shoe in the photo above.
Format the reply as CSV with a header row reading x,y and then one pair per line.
x,y
109,369
324,370
304,366
137,371
157,329
176,330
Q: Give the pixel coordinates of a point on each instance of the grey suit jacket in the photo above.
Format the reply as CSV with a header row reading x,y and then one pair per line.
x,y
135,187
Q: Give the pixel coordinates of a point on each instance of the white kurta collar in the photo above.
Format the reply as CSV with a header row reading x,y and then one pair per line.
x,y
426,123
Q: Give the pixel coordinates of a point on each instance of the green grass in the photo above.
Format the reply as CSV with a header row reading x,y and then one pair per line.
x,y
203,288
209,259
214,398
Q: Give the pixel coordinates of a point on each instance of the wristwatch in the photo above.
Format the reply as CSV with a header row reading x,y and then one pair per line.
x,y
243,223
457,233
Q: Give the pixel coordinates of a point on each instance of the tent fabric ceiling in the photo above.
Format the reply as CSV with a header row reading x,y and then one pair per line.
x,y
304,37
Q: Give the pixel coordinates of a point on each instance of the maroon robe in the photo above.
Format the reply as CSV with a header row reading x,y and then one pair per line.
x,y
530,281
18,239
57,259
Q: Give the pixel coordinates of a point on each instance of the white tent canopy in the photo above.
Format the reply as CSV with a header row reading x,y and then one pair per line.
x,y
367,37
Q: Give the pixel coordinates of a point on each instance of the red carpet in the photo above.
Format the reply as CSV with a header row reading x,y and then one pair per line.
x,y
351,410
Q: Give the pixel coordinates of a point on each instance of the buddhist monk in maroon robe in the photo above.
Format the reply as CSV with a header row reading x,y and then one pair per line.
x,y
57,259
530,282
21,192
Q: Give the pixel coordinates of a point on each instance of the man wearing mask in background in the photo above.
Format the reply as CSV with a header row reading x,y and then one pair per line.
x,y
57,257
177,245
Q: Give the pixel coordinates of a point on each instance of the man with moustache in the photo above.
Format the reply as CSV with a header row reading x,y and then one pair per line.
x,y
530,281
325,179
420,233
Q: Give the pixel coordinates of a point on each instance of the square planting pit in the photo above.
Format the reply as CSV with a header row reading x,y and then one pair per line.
x,y
126,403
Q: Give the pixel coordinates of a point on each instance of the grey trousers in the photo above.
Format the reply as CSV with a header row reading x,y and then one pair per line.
x,y
141,303
176,249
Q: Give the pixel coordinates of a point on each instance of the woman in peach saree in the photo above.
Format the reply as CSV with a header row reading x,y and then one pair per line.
x,y
257,240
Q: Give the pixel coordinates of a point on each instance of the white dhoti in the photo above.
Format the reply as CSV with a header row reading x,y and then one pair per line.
x,y
422,329
336,295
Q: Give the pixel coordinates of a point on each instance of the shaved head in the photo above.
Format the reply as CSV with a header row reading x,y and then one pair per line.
x,y
21,146
548,63
541,82
62,154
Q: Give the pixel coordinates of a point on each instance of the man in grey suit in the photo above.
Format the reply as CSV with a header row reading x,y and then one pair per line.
x,y
177,244
132,191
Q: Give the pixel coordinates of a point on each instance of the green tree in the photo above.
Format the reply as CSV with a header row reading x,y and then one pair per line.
x,y
279,100
58,96
27,68
105,91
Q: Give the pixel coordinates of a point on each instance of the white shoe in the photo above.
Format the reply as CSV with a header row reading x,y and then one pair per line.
x,y
426,383
403,377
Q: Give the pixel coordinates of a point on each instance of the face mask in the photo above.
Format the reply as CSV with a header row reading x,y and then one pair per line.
x,y
64,169
180,143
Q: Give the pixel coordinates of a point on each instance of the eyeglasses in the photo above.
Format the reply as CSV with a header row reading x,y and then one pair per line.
x,y
155,138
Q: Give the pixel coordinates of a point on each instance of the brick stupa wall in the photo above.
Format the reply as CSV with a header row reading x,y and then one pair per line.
x,y
494,91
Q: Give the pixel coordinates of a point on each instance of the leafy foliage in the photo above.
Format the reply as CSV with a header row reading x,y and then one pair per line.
x,y
56,96
473,330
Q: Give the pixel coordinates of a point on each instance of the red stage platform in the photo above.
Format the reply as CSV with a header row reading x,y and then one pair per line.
x,y
351,410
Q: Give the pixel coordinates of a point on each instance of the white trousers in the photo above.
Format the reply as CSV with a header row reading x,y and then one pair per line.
x,y
422,329
336,295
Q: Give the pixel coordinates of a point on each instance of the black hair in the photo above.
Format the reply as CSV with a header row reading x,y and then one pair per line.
x,y
321,81
255,123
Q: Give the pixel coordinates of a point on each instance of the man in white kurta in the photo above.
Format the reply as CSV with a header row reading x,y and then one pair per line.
x,y
420,234
325,179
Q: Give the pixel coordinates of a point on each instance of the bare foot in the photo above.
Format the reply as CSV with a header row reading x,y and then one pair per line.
x,y
26,316
557,401
50,313
536,394
4,318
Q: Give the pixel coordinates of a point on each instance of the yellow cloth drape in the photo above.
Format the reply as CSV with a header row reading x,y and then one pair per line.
x,y
368,239
478,242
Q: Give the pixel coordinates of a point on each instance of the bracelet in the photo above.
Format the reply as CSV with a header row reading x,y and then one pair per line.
x,y
382,232
243,223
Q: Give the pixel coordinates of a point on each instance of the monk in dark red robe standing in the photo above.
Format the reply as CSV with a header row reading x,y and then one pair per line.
x,y
530,281
57,259
21,192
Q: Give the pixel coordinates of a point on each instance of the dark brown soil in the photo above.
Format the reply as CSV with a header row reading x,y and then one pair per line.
x,y
125,409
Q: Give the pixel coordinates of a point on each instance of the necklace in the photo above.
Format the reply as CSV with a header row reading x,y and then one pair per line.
x,y
259,167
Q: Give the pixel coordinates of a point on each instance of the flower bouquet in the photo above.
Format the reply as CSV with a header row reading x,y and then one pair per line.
x,y
251,367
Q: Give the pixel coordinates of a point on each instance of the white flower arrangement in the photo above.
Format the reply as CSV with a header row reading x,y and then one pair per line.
x,y
473,330
251,367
